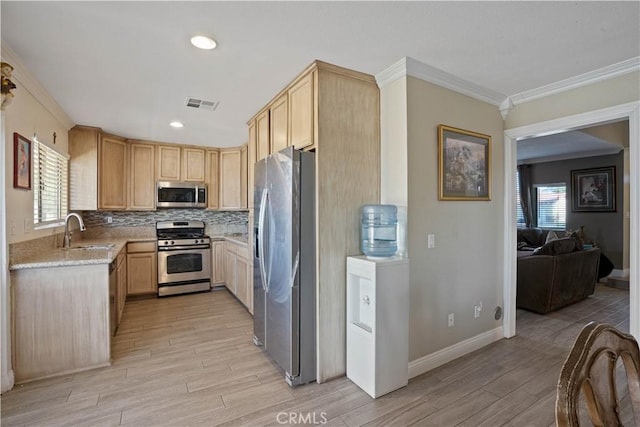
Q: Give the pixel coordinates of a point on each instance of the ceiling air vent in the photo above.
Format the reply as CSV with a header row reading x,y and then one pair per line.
x,y
202,104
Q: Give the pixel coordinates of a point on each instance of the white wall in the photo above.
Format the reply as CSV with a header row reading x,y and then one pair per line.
x,y
31,111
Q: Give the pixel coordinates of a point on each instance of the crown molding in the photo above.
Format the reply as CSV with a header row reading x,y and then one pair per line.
x,y
33,86
589,78
410,67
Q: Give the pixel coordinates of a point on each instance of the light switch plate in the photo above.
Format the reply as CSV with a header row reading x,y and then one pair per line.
x,y
431,240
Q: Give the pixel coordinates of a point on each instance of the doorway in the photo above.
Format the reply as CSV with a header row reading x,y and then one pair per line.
x,y
630,112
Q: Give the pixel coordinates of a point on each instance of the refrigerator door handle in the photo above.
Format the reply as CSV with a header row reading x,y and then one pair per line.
x,y
261,219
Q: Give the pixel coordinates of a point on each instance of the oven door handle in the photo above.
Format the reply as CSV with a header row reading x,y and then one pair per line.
x,y
182,248
261,219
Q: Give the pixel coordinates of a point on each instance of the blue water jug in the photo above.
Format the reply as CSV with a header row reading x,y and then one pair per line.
x,y
378,230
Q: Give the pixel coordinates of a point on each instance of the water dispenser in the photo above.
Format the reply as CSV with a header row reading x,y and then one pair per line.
x,y
378,230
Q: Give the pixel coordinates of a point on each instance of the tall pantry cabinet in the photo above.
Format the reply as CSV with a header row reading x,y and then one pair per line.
x,y
336,113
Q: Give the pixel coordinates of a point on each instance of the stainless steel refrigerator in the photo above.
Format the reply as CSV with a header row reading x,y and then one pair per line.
x,y
284,282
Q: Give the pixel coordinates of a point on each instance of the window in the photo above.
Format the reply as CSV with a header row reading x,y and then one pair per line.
x,y
520,223
50,175
552,205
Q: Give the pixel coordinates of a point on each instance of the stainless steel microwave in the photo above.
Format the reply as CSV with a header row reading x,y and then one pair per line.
x,y
171,194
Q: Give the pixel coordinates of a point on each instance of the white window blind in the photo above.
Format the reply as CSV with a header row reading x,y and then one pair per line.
x,y
552,205
519,214
50,183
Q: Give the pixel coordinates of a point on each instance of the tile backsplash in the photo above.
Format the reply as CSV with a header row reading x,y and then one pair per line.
x,y
218,223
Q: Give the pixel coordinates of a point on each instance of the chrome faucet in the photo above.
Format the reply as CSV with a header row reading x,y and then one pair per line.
x,y
67,233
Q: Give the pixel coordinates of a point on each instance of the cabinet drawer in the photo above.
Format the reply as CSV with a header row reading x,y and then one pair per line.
x,y
137,247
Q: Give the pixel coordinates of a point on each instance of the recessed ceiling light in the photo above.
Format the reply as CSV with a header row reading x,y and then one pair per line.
x,y
203,42
176,125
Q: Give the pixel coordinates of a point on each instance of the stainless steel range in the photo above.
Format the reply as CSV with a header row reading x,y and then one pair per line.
x,y
184,257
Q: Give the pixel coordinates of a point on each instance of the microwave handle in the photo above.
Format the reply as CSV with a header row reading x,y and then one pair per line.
x,y
198,194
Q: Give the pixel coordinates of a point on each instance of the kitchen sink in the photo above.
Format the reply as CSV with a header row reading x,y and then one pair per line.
x,y
104,247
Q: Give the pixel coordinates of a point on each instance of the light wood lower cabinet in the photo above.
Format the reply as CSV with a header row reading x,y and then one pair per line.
x,y
237,273
121,286
230,267
218,258
60,320
142,271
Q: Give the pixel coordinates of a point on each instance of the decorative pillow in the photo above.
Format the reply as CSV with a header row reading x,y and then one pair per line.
x,y
551,236
558,247
532,236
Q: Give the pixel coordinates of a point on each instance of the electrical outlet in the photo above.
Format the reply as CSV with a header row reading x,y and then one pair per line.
x,y
477,310
450,320
431,241
27,225
13,229
109,220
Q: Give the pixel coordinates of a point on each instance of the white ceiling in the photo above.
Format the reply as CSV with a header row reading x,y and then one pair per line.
x,y
128,67
562,146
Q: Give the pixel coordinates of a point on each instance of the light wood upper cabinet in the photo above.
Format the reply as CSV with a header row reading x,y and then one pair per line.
x,y
142,177
279,124
193,164
112,182
213,179
301,112
251,163
83,168
107,172
168,163
243,176
230,180
97,170
176,163
262,135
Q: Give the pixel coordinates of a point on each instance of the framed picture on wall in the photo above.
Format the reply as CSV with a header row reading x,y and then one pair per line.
x,y
464,164
593,190
21,162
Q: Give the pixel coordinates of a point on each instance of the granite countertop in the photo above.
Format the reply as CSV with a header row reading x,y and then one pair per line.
x,y
43,257
59,257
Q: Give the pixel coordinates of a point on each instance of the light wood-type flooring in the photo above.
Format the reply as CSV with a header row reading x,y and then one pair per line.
x,y
190,360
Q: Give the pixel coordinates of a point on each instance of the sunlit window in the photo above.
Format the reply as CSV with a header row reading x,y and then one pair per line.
x,y
552,205
50,189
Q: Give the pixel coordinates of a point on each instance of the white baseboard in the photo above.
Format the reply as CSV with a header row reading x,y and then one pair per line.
x,y
8,380
446,355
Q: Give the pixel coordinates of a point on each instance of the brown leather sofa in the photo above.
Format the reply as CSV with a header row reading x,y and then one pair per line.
x,y
555,275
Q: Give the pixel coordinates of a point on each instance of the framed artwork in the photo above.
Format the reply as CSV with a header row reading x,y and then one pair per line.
x,y
21,162
464,164
593,190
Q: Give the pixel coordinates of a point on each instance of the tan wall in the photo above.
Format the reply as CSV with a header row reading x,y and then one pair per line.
x,y
616,133
593,97
465,267
26,115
